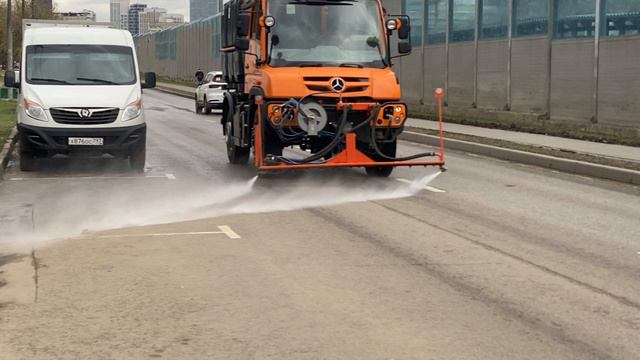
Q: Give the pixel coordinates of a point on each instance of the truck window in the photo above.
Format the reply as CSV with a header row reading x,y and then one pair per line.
x,y
334,33
80,65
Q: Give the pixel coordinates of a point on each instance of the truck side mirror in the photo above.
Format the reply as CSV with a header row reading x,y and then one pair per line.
x,y
149,80
404,32
404,47
243,23
10,79
199,77
242,44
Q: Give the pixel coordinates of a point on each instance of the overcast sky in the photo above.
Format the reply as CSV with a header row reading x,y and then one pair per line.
x,y
101,7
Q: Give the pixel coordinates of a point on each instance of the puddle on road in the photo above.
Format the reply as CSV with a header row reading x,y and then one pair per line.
x,y
76,214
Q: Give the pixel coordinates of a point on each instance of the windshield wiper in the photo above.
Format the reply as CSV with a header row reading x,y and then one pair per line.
x,y
311,65
103,81
359,66
57,81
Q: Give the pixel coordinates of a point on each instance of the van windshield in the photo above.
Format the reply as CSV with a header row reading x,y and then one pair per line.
x,y
327,33
80,65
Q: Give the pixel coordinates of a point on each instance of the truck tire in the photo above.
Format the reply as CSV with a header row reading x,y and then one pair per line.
x,y
207,108
138,159
237,155
388,149
28,162
198,107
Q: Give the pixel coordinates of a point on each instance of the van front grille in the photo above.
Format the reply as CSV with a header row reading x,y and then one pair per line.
x,y
85,116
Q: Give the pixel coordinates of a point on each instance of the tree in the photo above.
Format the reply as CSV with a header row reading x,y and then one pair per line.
x,y
17,16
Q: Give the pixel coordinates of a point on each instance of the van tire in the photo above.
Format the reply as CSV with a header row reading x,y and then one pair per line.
x,y
28,162
138,159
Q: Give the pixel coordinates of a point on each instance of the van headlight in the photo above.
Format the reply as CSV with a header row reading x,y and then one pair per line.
x,y
132,110
34,110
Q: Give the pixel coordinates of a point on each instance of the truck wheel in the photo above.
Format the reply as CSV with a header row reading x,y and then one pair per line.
x,y
379,171
137,159
388,149
236,154
207,107
28,162
198,107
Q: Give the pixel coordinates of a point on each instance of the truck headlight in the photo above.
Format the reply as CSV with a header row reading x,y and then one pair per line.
x,y
132,110
34,110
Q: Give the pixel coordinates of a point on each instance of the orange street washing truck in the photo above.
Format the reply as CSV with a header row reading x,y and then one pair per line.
x,y
316,76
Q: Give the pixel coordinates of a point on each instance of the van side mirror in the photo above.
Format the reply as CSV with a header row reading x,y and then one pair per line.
x,y
243,23
404,47
242,44
10,79
149,80
404,32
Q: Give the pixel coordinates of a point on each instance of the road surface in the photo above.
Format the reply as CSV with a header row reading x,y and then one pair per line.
x,y
197,260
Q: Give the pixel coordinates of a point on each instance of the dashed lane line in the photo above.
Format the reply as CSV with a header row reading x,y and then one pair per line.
x,y
165,176
224,230
428,188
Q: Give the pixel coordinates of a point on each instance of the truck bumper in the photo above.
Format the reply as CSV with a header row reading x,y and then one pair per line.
x,y
117,141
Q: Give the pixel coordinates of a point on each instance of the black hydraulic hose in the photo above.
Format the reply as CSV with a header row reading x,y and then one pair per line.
x,y
374,144
334,143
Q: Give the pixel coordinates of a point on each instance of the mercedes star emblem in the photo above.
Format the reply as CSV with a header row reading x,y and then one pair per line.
x,y
338,85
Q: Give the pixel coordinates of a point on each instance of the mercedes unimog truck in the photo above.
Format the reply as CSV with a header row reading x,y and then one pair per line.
x,y
315,76
80,93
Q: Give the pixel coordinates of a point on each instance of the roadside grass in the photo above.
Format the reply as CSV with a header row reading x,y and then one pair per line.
x,y
7,120
164,79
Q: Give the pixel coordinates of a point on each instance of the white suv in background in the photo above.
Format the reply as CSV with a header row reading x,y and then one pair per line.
x,y
210,91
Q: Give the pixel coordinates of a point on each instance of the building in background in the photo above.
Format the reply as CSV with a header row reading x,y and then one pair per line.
x,y
117,8
84,15
133,20
157,19
200,9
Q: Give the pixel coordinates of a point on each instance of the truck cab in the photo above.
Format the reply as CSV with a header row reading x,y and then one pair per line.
x,y
315,75
80,93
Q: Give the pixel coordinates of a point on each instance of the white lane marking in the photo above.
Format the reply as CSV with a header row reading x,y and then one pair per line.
x,y
428,188
93,178
230,233
170,176
224,230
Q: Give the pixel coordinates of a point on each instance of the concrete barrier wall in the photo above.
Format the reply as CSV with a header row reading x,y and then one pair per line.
x,y
493,58
461,63
619,85
572,80
530,75
549,78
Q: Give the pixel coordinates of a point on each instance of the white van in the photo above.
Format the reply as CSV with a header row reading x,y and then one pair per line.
x,y
80,93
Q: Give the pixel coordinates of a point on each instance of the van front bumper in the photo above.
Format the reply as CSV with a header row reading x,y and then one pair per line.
x,y
56,140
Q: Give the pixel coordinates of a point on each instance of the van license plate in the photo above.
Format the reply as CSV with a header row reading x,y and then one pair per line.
x,y
86,141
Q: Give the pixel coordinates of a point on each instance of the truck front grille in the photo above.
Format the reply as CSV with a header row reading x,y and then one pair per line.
x,y
85,116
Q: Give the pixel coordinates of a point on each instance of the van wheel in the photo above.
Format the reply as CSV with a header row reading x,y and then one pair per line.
x,y
198,107
28,162
207,108
236,154
137,159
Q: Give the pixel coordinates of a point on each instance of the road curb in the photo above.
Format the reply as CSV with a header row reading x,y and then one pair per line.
x,y
7,149
545,161
184,94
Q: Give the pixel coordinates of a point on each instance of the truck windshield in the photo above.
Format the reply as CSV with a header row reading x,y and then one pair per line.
x,y
80,65
326,33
